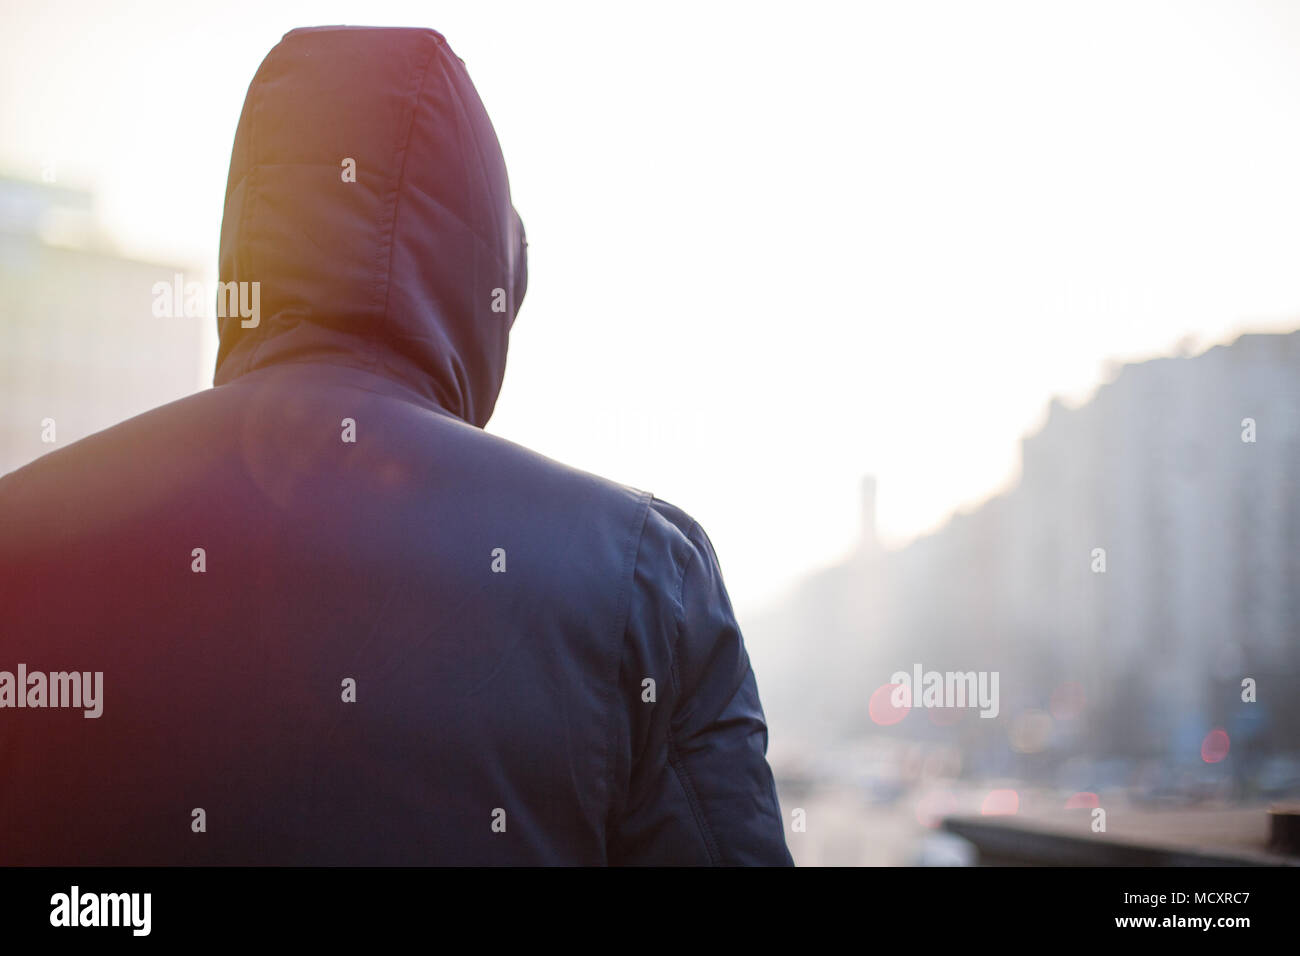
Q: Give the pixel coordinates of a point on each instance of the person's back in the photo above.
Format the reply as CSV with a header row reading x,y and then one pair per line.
x,y
336,621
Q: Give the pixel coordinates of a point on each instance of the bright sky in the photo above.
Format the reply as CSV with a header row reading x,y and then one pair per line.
x,y
773,247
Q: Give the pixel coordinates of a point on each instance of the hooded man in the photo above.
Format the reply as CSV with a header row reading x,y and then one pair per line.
x,y
336,621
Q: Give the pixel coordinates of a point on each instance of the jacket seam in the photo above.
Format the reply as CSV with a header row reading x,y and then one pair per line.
x,y
612,693
674,756
389,242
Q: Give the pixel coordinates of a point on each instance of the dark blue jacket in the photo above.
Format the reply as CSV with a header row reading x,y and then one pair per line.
x,y
422,645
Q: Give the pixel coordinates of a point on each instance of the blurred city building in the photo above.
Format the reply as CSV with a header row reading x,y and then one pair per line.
x,y
1182,475
80,345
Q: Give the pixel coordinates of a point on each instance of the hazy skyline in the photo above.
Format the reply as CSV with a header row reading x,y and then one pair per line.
x,y
769,255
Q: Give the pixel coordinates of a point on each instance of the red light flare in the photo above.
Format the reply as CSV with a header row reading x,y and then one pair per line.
x,y
1215,745
882,709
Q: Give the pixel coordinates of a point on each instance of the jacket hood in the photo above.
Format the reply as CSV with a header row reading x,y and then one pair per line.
x,y
415,266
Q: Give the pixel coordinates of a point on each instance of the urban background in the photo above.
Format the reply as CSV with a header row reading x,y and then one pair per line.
x,y
1144,565
970,332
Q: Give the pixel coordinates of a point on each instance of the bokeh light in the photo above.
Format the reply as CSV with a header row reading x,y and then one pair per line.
x,y
1214,747
1000,803
1030,732
882,708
